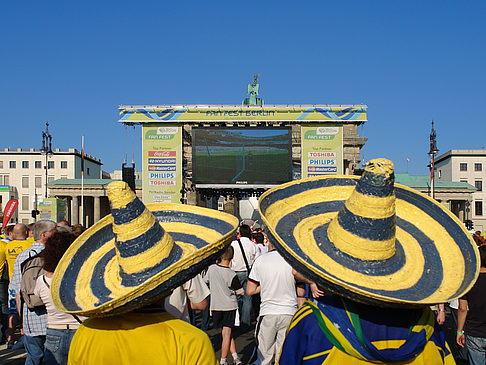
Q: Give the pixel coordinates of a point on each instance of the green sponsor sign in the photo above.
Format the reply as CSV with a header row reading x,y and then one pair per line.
x,y
322,150
162,163
53,209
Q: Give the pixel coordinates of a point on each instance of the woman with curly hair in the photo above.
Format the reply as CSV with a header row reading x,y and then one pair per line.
x,y
60,326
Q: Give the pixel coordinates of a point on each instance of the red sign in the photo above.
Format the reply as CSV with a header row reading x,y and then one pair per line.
x,y
9,211
162,153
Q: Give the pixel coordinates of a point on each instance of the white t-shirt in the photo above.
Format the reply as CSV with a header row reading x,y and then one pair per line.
x,y
251,252
54,316
274,275
176,304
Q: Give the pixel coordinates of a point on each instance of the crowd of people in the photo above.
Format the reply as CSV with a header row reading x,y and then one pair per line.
x,y
22,325
349,280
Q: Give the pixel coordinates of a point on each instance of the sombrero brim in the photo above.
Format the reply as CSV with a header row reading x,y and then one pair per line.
x,y
87,281
435,259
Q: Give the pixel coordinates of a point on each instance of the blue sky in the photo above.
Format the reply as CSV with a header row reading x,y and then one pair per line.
x,y
73,63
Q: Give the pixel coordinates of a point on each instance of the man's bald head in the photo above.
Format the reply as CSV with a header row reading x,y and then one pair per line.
x,y
20,231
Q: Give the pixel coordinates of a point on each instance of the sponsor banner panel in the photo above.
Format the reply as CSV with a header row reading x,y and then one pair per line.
x,y
322,149
162,163
236,113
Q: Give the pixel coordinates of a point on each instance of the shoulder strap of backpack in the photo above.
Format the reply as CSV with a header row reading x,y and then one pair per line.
x,y
244,256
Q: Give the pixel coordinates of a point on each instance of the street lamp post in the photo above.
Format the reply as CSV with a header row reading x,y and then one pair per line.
x,y
432,153
46,149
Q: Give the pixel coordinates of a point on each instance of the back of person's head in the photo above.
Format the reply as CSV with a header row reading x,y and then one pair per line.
x,y
228,254
44,225
259,238
64,229
63,223
245,230
20,231
8,229
482,254
78,229
477,240
55,247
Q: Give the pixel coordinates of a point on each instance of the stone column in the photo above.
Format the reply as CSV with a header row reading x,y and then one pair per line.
x,y
74,210
96,208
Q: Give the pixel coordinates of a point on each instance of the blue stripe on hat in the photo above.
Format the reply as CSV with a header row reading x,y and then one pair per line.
x,y
375,185
294,189
220,226
98,286
96,240
142,243
368,228
127,214
140,277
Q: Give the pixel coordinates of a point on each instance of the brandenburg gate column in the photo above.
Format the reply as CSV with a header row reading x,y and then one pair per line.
x,y
74,210
96,208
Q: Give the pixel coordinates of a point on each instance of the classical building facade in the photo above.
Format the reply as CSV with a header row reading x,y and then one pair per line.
x,y
467,166
25,174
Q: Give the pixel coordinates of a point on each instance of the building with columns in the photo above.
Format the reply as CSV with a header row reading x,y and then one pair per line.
x,y
26,173
94,194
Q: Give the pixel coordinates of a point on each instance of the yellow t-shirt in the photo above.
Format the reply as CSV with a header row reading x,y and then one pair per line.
x,y
3,258
140,338
12,250
30,239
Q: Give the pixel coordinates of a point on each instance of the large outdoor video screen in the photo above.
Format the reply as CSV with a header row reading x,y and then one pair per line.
x,y
241,155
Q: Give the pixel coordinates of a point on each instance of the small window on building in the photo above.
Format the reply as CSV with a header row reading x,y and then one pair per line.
x,y
478,208
440,173
463,167
12,164
478,167
38,182
25,164
50,164
63,164
6,180
25,202
38,164
1,164
464,181
25,181
87,171
479,185
50,178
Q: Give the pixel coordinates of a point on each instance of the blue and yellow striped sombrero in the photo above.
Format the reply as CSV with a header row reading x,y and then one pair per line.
x,y
371,240
137,254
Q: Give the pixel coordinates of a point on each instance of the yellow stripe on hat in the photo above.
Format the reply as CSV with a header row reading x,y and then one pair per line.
x,y
148,258
361,248
84,295
404,278
135,227
119,194
371,206
286,206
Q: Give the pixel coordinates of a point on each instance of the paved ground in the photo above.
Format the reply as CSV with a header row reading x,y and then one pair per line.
x,y
244,344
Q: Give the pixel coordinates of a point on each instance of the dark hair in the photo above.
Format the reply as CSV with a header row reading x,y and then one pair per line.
x,y
56,246
477,240
245,230
228,254
259,238
482,254
78,229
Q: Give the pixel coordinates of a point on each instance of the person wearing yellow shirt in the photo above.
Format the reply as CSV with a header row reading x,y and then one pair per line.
x,y
12,250
121,269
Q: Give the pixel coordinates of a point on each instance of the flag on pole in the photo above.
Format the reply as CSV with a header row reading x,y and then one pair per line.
x,y
10,208
82,158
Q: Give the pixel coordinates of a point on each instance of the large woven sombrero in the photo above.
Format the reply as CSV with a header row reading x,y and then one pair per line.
x,y
370,239
137,254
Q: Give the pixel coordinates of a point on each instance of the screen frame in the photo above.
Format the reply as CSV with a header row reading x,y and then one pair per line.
x,y
248,184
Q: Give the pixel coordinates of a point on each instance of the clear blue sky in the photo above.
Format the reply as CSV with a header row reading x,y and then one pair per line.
x,y
72,63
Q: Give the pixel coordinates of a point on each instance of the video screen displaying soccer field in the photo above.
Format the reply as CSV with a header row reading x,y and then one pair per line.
x,y
241,155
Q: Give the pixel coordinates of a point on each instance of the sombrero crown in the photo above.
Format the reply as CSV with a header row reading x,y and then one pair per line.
x,y
137,254
370,239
